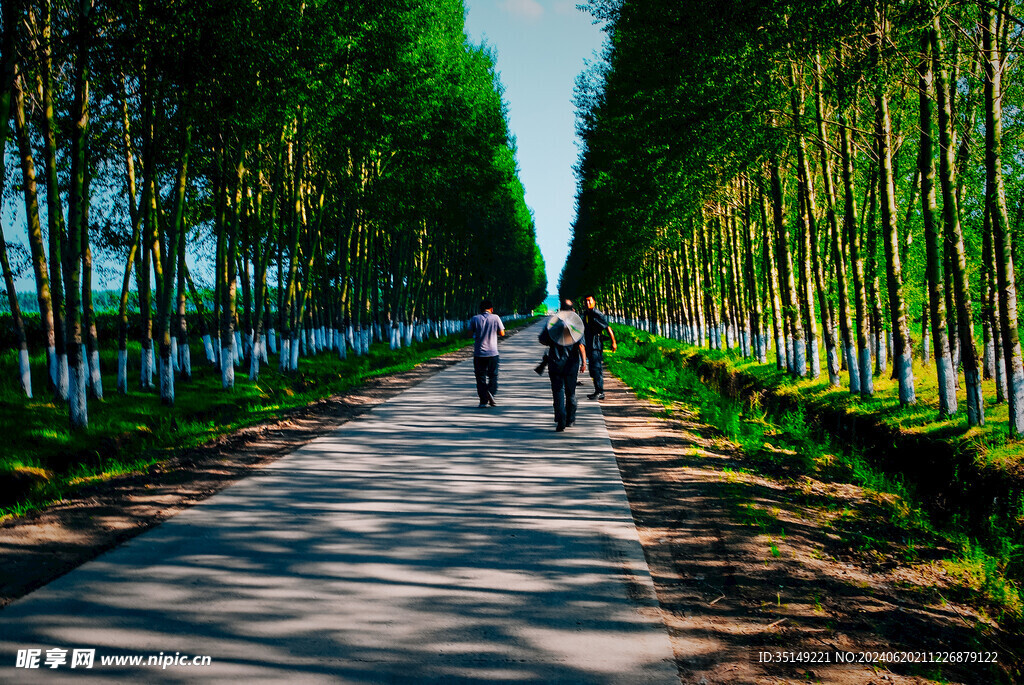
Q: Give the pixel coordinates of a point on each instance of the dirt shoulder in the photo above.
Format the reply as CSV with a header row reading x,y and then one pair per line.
x,y
48,543
745,563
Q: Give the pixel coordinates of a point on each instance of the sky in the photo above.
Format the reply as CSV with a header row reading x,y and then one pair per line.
x,y
541,46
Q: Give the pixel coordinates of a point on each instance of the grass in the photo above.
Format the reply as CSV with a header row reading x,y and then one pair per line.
x,y
44,463
987,564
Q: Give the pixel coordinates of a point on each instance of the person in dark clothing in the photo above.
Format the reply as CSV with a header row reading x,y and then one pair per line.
x,y
594,325
565,361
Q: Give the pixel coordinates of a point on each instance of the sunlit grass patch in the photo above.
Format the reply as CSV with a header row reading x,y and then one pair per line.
x,y
976,570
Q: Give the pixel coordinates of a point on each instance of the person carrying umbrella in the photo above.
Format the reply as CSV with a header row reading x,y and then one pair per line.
x,y
566,359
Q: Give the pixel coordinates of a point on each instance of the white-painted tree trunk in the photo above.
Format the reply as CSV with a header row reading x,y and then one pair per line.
x,y
1000,376
947,384
867,382
905,363
95,379
146,366
63,378
227,369
85,366
272,340
294,365
25,373
350,336
800,360
208,346
78,406
832,362
853,368
122,372
357,341
285,358
167,380
254,366
342,346
883,352
263,348
815,358
51,364
407,334
257,353
186,360
236,348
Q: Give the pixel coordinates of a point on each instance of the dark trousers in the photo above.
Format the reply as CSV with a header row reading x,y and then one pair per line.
x,y
486,371
563,394
595,359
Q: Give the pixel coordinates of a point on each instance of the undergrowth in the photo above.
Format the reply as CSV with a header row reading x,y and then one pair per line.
x,y
788,444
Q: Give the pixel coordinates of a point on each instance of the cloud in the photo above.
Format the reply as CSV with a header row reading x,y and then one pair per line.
x,y
526,9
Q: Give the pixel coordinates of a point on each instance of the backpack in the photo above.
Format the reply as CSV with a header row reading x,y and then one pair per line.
x,y
560,358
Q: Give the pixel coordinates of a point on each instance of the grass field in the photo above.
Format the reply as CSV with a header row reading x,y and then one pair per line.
x,y
989,561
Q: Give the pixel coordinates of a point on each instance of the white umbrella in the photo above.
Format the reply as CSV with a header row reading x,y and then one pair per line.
x,y
565,327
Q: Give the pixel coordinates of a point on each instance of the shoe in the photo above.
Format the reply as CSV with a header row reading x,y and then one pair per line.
x,y
570,424
595,396
560,427
482,404
492,403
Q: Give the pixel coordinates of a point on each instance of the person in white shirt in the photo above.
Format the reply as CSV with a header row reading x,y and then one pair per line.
x,y
485,328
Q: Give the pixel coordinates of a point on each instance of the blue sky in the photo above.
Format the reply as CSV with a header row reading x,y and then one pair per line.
x,y
541,46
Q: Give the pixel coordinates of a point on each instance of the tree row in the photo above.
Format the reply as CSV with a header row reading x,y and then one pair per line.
x,y
336,172
835,180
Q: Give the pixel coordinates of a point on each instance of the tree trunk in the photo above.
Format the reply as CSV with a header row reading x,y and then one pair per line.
x,y
953,233
78,415
897,306
929,211
995,201
787,279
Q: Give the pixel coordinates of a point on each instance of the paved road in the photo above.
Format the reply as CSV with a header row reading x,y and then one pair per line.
x,y
428,541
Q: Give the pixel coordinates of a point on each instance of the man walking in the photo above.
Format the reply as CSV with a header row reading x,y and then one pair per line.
x,y
566,359
594,324
485,328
